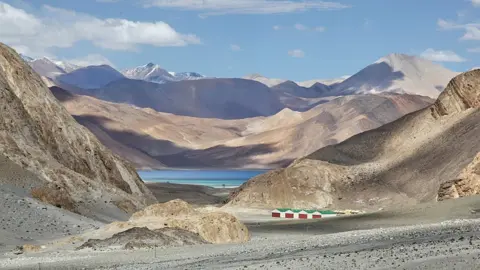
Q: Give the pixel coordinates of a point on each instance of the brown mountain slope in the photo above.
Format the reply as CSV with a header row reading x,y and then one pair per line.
x,y
37,133
150,139
403,162
277,140
140,135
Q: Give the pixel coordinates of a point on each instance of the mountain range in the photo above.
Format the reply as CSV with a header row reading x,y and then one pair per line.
x,y
417,158
154,73
54,69
232,122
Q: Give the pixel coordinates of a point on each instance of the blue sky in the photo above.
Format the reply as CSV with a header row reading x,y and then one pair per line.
x,y
297,40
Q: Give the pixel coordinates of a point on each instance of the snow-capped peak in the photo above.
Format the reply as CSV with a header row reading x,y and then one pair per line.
x,y
154,73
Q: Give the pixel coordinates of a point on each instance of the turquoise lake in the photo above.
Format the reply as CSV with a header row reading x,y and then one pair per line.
x,y
211,178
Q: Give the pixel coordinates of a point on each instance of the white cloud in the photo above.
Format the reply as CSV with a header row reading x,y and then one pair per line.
x,y
235,47
472,33
441,56
54,27
476,3
474,50
221,7
91,60
472,30
446,25
276,27
300,27
297,53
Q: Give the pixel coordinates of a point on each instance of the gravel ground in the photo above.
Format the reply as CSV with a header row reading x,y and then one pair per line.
x,y
447,245
24,220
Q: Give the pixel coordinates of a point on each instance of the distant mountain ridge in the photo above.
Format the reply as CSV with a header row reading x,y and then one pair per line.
x,y
394,73
154,73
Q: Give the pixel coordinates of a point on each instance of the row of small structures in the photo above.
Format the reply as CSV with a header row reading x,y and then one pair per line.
x,y
302,214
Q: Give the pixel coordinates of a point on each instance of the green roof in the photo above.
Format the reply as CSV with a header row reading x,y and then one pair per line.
x,y
310,211
327,212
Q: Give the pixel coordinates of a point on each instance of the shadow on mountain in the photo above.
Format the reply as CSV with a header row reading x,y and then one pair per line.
x,y
173,155
207,98
379,75
61,94
222,156
439,88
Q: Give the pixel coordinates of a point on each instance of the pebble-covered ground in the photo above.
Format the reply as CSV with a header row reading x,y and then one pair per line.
x,y
24,220
447,245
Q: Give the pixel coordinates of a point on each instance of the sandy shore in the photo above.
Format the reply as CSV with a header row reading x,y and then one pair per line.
x,y
193,194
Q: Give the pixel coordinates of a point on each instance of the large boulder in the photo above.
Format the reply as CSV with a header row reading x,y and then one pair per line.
x,y
213,227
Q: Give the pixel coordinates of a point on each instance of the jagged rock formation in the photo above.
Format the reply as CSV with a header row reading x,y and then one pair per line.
x,y
403,162
468,183
38,134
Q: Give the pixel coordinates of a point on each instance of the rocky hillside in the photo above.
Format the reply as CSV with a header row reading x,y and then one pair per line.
x,y
38,134
400,163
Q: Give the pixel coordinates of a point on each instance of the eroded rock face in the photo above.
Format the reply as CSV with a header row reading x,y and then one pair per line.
x,y
37,133
467,184
461,93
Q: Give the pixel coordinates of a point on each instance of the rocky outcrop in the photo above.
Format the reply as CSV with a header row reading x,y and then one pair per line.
x,y
467,184
213,227
400,163
37,133
463,93
136,238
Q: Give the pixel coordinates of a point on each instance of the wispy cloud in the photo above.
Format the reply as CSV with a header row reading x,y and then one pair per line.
x,y
300,27
276,27
476,3
235,47
297,53
442,56
221,7
472,30
474,50
36,34
91,60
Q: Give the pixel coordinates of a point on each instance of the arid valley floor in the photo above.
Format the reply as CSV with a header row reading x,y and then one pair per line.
x,y
443,235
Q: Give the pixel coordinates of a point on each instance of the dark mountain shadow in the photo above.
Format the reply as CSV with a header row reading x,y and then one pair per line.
x,y
440,88
379,75
291,88
221,156
218,156
207,98
61,94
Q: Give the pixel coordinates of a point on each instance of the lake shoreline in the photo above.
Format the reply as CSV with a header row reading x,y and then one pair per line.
x,y
194,194
204,169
